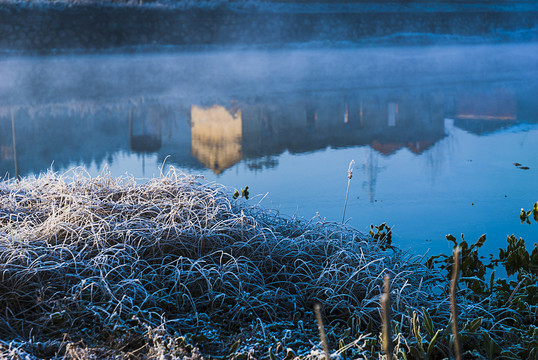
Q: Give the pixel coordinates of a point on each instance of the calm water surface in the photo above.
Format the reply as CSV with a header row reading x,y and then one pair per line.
x,y
434,132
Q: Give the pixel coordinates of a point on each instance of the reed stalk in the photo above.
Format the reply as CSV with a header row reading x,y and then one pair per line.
x,y
322,334
388,347
349,176
453,308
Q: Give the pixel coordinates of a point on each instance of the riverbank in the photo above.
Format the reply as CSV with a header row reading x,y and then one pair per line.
x,y
108,266
60,27
177,268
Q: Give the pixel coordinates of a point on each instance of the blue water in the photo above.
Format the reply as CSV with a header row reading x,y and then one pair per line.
x,y
434,132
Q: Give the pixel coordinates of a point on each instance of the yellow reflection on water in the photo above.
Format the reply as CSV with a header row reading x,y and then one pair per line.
x,y
216,136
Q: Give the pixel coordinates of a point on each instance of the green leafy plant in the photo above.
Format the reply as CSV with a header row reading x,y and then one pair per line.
x,y
244,193
427,344
525,216
473,270
382,235
516,257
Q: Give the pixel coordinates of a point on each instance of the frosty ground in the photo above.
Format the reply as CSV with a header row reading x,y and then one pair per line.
x,y
175,267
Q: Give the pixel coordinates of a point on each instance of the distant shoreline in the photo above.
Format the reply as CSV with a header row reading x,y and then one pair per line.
x,y
66,27
410,4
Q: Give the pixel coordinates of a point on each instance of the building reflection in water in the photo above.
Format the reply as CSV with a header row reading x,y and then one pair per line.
x,y
145,132
371,169
216,134
254,130
9,151
486,111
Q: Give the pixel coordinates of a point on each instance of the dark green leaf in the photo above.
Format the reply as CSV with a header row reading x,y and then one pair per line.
x,y
522,215
427,321
452,238
431,345
481,241
474,325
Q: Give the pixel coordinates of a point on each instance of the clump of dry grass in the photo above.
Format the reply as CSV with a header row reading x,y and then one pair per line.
x,y
109,266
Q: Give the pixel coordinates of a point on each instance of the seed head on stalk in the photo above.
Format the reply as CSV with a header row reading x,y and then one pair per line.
x,y
349,176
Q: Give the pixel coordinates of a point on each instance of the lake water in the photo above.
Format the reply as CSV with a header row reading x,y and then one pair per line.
x,y
434,132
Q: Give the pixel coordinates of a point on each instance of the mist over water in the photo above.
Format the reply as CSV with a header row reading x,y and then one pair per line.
x,y
434,131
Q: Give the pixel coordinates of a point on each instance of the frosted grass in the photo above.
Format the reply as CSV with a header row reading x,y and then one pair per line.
x,y
99,266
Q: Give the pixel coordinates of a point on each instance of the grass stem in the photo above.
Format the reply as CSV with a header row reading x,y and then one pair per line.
x,y
323,336
388,349
349,176
453,308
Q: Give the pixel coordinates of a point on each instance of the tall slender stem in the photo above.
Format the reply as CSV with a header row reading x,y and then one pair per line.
x,y
324,341
388,349
453,309
349,176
